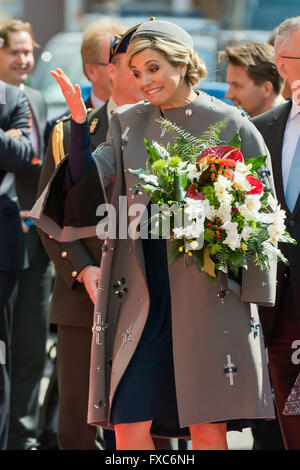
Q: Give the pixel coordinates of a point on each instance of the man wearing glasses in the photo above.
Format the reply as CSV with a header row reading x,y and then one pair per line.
x,y
280,128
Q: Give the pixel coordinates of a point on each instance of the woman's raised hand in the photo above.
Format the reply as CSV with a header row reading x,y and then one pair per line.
x,y
72,96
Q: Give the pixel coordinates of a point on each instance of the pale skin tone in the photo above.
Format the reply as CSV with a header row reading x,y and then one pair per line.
x,y
254,98
163,85
289,68
17,62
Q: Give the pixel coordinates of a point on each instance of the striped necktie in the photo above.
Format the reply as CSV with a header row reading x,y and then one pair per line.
x,y
293,184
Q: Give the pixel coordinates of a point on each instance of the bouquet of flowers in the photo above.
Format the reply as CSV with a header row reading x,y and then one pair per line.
x,y
212,204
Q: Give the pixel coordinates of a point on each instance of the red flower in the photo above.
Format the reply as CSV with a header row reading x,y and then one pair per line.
x,y
222,151
206,157
193,193
256,185
227,162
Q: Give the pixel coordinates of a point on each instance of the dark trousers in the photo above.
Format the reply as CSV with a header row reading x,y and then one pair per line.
x,y
28,350
73,364
8,281
283,369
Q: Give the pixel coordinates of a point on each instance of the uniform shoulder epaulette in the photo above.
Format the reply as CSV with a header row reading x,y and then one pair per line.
x,y
58,150
63,119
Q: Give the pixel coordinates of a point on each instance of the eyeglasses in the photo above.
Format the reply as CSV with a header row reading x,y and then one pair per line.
x,y
100,63
288,57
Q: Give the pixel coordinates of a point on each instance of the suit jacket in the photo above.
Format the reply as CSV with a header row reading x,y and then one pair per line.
x,y
204,329
272,126
15,156
70,303
27,181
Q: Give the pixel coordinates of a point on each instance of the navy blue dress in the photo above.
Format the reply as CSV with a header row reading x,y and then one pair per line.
x,y
147,389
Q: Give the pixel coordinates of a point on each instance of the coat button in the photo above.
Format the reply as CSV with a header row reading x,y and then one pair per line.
x,y
74,273
63,254
292,223
188,112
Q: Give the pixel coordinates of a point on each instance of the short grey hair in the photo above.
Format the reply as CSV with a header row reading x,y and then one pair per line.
x,y
283,32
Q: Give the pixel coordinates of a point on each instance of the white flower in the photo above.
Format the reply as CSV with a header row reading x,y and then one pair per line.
x,y
194,208
151,179
221,186
275,232
192,172
193,245
242,168
276,229
224,212
182,167
240,180
226,183
178,232
191,231
250,209
246,232
240,172
273,203
194,230
233,239
162,152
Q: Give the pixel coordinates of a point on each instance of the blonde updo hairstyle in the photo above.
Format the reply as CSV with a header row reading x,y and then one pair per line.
x,y
175,53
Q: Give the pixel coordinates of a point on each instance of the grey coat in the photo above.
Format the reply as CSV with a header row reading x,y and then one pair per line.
x,y
208,329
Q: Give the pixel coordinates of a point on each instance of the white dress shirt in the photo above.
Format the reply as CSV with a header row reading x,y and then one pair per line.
x,y
96,102
290,139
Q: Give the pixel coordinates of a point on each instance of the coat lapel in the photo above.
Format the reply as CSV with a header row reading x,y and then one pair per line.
x,y
273,134
99,135
35,117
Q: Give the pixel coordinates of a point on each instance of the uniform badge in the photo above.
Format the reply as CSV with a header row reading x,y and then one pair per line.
x,y
94,125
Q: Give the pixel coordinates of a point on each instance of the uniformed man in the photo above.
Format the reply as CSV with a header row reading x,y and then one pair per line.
x,y
77,268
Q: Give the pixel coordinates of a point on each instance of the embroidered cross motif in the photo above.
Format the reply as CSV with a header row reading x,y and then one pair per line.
x,y
120,287
124,139
222,293
230,369
127,336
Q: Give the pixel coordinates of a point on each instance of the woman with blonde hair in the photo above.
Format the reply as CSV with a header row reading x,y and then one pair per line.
x,y
172,353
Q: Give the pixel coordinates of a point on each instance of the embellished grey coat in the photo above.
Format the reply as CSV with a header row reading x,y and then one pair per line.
x,y
219,357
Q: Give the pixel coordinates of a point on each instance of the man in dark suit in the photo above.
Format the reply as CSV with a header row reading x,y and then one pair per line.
x,y
15,155
77,268
252,76
280,128
30,309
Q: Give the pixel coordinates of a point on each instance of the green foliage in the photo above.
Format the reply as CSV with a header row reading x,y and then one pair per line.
x,y
256,162
236,141
189,147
